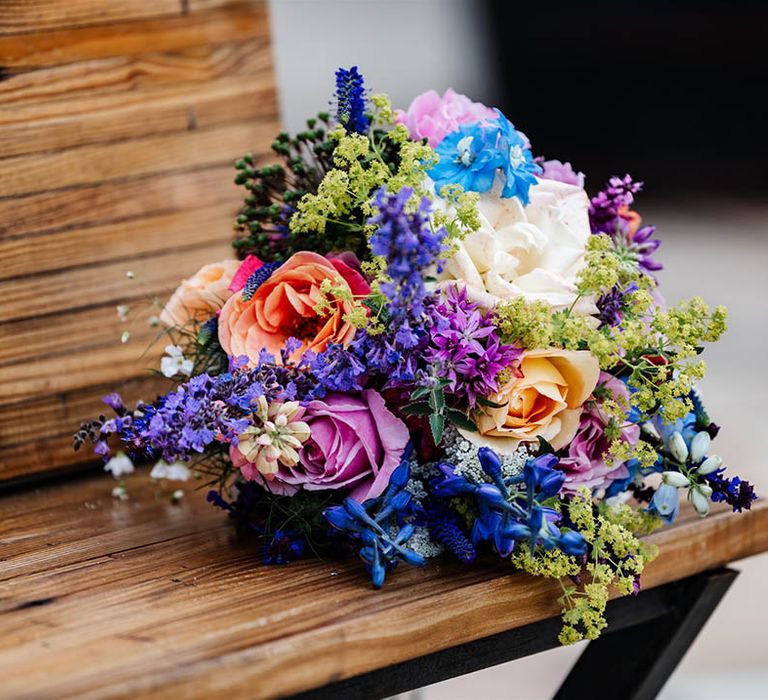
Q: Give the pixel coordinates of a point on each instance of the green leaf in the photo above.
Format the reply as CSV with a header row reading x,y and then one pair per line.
x,y
491,404
438,400
422,408
544,447
437,424
460,419
420,393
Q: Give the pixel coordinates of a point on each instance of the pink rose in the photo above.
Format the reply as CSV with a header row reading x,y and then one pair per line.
x,y
355,444
585,464
433,117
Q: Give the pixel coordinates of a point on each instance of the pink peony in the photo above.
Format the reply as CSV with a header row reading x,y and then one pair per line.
x,y
355,444
433,117
585,464
562,172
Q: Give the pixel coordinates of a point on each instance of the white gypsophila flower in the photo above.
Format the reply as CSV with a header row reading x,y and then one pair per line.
x,y
462,454
119,464
174,363
421,543
178,471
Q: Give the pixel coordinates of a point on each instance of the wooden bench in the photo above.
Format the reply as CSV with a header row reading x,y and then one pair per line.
x,y
119,121
141,598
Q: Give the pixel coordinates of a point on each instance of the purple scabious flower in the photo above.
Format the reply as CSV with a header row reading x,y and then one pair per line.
x,y
350,100
610,213
464,347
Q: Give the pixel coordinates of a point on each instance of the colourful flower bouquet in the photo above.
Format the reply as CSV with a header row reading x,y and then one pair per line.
x,y
433,342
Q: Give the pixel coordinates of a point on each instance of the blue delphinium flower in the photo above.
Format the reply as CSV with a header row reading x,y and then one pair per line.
x,y
350,100
510,509
665,503
517,161
373,522
468,157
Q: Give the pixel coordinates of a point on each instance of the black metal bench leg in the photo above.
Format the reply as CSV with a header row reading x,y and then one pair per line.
x,y
635,662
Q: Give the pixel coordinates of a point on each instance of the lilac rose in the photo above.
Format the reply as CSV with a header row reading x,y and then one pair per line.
x,y
355,444
585,463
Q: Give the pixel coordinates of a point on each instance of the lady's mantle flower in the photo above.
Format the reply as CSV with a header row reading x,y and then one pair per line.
x,y
173,362
276,438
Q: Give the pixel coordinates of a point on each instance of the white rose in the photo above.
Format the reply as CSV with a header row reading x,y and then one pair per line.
x,y
534,252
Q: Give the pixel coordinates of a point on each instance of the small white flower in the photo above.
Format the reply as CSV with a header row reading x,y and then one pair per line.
x,y
119,464
153,321
122,312
120,493
710,464
177,495
173,362
699,446
125,337
678,447
130,274
178,471
675,479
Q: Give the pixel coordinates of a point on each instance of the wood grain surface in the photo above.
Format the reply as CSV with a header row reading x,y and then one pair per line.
x,y
103,598
119,124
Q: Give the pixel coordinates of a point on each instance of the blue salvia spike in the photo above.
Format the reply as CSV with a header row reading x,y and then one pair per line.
x,y
258,278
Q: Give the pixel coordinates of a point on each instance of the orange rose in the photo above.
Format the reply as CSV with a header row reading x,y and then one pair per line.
x,y
284,307
201,296
545,401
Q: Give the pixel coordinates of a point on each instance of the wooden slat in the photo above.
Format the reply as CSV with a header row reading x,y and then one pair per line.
x,y
126,74
28,174
123,240
137,115
240,22
103,284
18,16
116,201
119,124
169,590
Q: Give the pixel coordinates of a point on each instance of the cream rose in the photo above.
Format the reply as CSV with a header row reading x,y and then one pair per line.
x,y
534,252
201,296
545,401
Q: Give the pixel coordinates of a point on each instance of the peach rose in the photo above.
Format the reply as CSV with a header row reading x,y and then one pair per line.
x,y
283,307
546,400
201,296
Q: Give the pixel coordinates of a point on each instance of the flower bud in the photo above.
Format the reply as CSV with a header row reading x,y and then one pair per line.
x,y
710,464
700,447
699,501
678,448
675,479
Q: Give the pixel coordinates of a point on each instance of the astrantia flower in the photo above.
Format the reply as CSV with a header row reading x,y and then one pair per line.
x,y
517,162
468,157
275,437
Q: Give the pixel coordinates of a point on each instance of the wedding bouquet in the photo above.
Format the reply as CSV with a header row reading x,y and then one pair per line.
x,y
432,342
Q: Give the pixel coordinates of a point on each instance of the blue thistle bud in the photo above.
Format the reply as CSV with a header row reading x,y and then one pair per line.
x,y
350,99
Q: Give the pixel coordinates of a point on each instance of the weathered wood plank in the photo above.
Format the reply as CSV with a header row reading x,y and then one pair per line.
x,y
170,590
103,284
22,16
135,115
142,156
117,201
236,23
124,74
125,240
